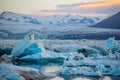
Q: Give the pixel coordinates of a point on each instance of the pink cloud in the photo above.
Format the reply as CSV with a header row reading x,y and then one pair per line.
x,y
97,8
43,13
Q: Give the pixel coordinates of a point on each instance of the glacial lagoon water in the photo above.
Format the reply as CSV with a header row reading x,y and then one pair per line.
x,y
53,67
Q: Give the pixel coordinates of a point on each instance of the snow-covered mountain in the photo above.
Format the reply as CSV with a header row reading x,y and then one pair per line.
x,y
14,18
10,17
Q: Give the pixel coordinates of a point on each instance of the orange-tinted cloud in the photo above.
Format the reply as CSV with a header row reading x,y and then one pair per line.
x,y
99,4
42,13
108,7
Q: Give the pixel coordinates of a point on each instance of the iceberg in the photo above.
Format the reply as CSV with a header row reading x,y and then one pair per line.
x,y
111,44
88,51
28,46
101,67
79,56
102,50
117,55
30,49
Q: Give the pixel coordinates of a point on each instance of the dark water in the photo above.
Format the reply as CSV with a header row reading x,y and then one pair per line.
x,y
53,67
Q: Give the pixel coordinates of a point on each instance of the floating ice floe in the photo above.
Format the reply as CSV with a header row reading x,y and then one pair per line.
x,y
102,50
79,65
95,63
11,72
28,48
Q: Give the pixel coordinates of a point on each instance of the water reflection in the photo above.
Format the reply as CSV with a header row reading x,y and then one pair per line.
x,y
89,78
57,78
51,68
81,79
106,78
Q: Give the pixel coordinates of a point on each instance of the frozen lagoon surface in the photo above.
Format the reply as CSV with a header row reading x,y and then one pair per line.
x,y
58,44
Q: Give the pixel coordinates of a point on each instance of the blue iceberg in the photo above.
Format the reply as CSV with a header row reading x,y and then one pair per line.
x,y
112,44
30,49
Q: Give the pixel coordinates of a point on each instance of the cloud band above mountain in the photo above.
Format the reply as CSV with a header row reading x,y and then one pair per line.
x,y
102,8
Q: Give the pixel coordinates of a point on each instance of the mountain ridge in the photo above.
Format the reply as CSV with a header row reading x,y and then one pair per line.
x,y
15,18
112,22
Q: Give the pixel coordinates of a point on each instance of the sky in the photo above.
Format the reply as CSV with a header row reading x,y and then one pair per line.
x,y
62,7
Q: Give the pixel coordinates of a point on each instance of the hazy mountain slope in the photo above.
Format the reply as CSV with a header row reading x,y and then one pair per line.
x,y
14,18
112,22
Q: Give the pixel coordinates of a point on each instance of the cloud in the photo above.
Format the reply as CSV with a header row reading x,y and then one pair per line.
x,y
43,13
105,8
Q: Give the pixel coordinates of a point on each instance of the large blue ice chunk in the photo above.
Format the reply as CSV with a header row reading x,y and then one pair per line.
x,y
112,44
28,46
